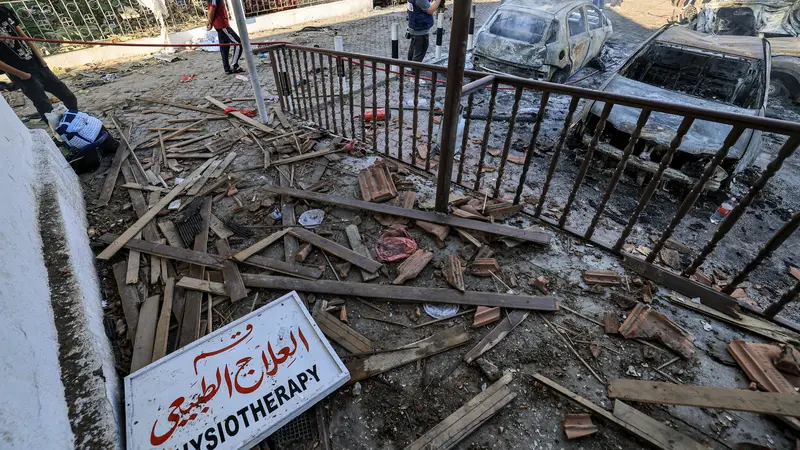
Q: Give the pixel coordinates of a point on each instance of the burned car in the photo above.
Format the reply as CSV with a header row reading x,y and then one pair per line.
x,y
764,18
545,40
678,65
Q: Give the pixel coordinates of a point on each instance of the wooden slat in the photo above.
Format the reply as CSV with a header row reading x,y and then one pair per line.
x,y
219,228
500,230
340,333
335,249
401,293
190,328
145,334
112,249
194,155
230,272
209,287
142,187
134,259
601,412
379,363
224,165
358,246
276,265
705,397
305,156
183,106
170,232
113,172
497,334
198,185
168,251
250,121
162,329
442,435
658,431
140,206
260,245
290,244
129,297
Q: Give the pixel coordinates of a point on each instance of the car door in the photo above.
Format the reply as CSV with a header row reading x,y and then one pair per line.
x,y
597,34
578,38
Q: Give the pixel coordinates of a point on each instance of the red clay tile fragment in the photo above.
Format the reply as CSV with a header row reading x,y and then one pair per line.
x,y
440,231
601,277
483,267
485,315
578,425
645,323
376,183
412,266
611,323
454,273
756,361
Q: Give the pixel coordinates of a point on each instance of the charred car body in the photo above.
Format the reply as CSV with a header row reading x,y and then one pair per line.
x,y
545,40
677,65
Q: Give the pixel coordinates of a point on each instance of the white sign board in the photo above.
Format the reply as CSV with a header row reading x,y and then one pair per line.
x,y
236,386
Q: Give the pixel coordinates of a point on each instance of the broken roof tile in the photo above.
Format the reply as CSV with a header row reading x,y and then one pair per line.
x,y
601,277
645,323
578,425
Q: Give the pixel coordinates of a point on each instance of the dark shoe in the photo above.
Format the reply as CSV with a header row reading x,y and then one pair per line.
x,y
237,69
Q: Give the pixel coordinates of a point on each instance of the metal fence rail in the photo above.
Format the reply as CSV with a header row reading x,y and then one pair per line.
x,y
302,97
98,20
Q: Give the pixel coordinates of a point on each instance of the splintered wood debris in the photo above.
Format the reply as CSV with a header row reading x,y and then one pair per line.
x,y
192,265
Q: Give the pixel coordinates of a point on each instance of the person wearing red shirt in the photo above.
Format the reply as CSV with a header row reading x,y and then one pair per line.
x,y
218,19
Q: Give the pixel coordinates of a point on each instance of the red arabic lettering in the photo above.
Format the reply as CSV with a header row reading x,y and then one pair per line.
x,y
204,355
239,388
173,418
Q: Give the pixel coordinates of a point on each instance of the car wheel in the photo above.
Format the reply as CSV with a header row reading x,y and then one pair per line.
x,y
778,89
560,75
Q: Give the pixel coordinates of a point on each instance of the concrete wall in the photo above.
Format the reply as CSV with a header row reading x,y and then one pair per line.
x,y
60,388
265,22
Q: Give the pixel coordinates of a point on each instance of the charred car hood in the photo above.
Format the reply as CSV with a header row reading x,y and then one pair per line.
x,y
510,51
703,138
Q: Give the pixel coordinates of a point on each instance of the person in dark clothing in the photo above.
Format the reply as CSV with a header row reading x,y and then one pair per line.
x,y
26,68
420,22
218,19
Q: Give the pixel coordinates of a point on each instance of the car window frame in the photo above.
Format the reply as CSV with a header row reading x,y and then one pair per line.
x,y
601,19
580,10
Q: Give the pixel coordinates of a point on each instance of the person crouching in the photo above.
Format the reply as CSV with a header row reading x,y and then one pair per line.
x,y
84,139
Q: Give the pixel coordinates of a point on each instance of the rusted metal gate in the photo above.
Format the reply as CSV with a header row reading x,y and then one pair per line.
x,y
338,103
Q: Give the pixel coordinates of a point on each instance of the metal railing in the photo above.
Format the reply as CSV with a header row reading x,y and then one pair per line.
x,y
99,20
331,89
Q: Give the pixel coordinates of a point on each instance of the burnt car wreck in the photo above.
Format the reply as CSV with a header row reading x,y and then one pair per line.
x,y
764,18
678,65
544,40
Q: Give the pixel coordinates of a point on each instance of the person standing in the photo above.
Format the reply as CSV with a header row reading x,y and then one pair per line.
x,y
420,22
26,68
218,19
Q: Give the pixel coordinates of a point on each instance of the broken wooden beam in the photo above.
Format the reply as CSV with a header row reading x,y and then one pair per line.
x,y
145,334
402,293
305,156
465,420
170,252
535,237
230,272
290,244
248,120
354,237
128,234
190,328
129,297
705,397
382,362
335,249
276,265
113,173
183,106
162,328
497,334
347,337
655,429
209,287
260,245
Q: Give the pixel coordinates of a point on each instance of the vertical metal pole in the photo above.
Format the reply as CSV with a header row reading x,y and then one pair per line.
x,y
440,33
452,101
395,44
470,36
238,12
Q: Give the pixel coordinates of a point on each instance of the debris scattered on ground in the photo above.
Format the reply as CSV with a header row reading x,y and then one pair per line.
x,y
645,323
578,425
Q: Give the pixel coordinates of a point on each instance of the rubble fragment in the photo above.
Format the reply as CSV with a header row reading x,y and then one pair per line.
x,y
454,273
484,267
610,323
601,277
376,183
485,315
412,266
645,323
578,426
395,245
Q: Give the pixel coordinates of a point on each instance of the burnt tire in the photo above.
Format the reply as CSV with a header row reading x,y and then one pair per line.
x,y
560,75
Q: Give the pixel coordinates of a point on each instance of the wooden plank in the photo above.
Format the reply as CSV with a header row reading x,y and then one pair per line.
x,y
112,249
658,431
145,334
290,244
305,156
142,187
219,228
178,147
276,265
170,232
478,417
195,189
134,259
340,333
282,118
162,329
705,397
113,172
192,119
140,206
260,245
170,252
129,297
230,272
335,249
248,120
497,334
358,246
601,412
401,293
223,165
209,287
183,106
190,328
379,363
190,156
500,230
463,418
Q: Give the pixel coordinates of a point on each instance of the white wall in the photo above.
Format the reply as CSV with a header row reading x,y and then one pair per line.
x,y
36,339
264,22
